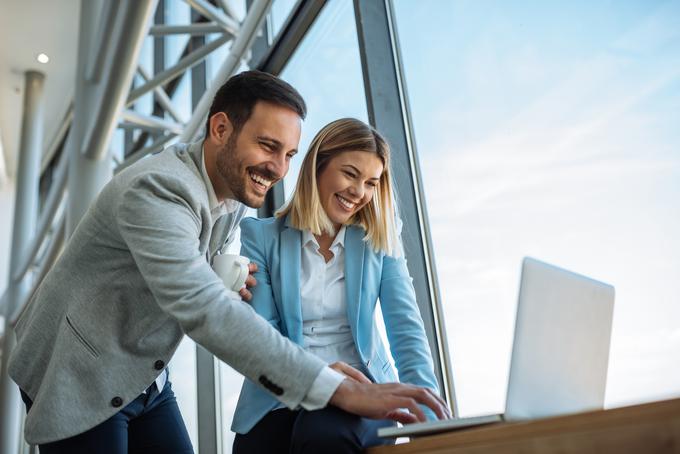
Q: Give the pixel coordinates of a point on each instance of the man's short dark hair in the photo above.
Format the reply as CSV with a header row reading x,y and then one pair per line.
x,y
238,96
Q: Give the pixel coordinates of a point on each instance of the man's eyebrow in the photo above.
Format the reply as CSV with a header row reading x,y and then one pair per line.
x,y
359,171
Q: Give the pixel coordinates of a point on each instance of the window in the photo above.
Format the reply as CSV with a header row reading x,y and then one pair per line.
x,y
278,14
550,130
326,70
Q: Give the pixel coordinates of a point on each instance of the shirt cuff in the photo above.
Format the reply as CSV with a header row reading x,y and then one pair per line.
x,y
322,389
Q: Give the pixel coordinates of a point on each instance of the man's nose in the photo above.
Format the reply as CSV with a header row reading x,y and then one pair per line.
x,y
278,166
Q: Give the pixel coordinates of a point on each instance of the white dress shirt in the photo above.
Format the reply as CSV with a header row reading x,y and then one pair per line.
x,y
325,328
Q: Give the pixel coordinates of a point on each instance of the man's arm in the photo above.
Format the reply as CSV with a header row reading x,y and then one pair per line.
x,y
157,219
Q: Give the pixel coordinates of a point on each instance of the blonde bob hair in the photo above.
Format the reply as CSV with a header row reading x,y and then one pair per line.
x,y
377,217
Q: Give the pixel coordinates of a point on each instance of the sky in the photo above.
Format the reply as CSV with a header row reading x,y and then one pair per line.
x,y
550,130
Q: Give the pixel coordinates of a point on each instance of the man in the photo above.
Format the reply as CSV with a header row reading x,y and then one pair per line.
x,y
135,277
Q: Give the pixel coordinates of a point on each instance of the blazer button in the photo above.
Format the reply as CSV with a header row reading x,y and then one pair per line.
x,y
158,365
116,401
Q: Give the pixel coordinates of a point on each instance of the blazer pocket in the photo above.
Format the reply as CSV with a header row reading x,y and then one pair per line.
x,y
81,339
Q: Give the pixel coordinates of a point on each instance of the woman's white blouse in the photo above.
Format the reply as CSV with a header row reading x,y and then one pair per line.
x,y
325,327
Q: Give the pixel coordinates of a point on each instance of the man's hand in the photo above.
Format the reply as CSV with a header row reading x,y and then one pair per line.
x,y
250,282
395,401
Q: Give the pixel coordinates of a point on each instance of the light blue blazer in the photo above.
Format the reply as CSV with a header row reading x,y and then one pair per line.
x,y
276,247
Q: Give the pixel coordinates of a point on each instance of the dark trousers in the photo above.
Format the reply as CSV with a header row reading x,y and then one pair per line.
x,y
326,431
150,424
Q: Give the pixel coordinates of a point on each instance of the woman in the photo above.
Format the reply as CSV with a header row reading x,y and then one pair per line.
x,y
324,261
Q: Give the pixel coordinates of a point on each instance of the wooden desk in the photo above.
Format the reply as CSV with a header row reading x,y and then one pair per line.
x,y
641,429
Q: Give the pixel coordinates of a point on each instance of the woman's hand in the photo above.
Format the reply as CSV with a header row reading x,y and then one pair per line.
x,y
396,401
250,282
349,372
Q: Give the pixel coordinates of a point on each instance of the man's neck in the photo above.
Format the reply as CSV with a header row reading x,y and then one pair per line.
x,y
210,151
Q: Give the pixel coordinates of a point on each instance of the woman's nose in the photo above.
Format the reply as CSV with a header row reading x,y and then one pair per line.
x,y
357,190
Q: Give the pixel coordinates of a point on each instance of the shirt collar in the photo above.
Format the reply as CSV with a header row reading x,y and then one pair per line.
x,y
338,241
216,207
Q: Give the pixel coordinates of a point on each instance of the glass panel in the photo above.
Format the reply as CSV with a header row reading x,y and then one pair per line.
x,y
278,14
550,130
182,369
326,70
230,383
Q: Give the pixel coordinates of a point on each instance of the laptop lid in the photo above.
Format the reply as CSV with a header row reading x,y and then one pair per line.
x,y
560,352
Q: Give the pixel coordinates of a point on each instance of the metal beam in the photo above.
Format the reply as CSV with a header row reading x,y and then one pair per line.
x,y
207,407
3,303
228,9
209,11
388,112
98,49
193,29
58,139
239,47
162,97
290,36
50,209
133,25
182,65
156,146
86,176
25,216
152,123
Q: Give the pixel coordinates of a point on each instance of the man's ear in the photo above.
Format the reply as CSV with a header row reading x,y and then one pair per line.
x,y
220,128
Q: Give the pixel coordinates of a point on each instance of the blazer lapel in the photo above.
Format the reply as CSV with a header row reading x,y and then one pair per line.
x,y
354,271
218,235
290,250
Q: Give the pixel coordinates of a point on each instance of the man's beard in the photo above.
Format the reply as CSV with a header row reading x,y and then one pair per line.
x,y
236,176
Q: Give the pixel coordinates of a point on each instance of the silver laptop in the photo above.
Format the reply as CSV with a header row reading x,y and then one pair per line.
x,y
560,351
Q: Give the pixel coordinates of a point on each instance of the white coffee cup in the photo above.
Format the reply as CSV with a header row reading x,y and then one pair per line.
x,y
233,269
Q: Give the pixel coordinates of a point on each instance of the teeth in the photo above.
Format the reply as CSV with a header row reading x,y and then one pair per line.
x,y
259,179
346,203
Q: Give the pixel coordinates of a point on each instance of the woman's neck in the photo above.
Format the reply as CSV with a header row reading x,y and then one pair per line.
x,y
325,240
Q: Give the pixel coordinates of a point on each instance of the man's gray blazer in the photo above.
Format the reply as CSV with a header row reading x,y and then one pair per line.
x,y
133,279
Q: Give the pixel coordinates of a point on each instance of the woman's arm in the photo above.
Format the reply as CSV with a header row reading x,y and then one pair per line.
x,y
253,247
404,325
